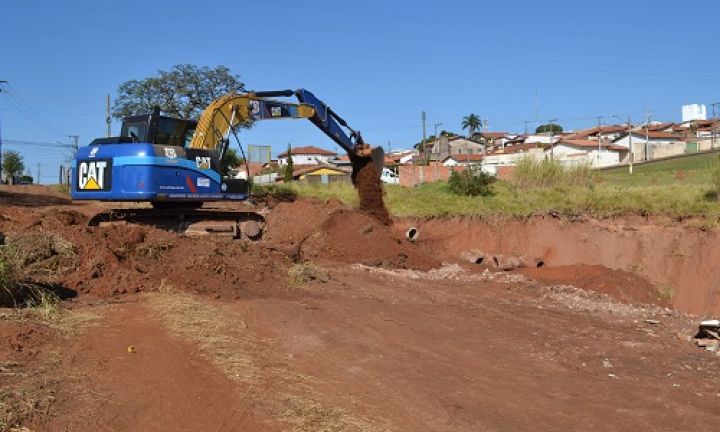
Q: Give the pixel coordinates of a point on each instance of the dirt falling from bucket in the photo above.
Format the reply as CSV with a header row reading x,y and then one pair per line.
x,y
367,182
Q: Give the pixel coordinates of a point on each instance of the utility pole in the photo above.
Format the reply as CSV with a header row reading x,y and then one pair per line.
x,y
38,174
551,123
1,153
437,147
437,138
713,133
75,139
630,146
423,117
600,118
107,115
526,123
647,132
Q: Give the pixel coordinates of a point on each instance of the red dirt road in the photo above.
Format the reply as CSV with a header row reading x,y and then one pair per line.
x,y
165,384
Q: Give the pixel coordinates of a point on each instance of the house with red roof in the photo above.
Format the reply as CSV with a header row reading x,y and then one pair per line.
x,y
307,155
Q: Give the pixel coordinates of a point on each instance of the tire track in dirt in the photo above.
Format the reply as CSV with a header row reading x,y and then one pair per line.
x,y
165,384
225,340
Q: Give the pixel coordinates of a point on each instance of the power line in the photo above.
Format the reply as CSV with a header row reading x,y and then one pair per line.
x,y
19,103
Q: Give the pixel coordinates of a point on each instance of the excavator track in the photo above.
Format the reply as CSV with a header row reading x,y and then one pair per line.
x,y
230,223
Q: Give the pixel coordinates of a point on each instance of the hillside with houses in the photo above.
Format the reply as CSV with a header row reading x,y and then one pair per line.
x,y
498,152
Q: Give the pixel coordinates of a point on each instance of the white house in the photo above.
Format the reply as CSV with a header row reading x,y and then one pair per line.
x,y
402,156
307,155
587,152
463,159
650,144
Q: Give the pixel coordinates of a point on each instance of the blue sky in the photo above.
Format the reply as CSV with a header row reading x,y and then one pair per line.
x,y
377,63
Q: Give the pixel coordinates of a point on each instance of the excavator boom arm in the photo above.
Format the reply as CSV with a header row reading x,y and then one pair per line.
x,y
230,111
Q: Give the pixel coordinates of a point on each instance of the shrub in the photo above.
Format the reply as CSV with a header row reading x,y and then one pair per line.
x,y
471,182
8,276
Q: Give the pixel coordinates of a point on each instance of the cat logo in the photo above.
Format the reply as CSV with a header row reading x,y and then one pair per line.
x,y
94,175
202,162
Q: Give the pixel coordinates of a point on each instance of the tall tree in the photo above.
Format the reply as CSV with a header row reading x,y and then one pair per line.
x,y
472,123
12,164
289,167
549,127
183,91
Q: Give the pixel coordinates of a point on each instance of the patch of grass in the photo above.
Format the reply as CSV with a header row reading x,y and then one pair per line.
x,y
31,397
41,256
303,273
222,340
600,200
62,188
307,415
29,265
544,173
649,190
666,294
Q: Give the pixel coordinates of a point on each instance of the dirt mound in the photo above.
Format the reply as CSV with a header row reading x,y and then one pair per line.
x,y
58,217
309,229
370,192
619,284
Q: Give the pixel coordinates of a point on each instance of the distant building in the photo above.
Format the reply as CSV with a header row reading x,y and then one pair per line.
x,y
307,155
649,144
694,112
460,159
323,174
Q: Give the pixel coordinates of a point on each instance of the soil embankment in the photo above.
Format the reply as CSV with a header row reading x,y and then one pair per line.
x,y
678,260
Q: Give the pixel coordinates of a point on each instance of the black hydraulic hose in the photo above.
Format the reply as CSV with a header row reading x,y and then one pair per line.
x,y
274,93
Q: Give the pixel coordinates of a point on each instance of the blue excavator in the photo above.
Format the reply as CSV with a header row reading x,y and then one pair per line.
x,y
175,164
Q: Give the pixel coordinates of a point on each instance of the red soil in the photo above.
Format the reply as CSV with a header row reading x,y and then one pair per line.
x,y
404,353
370,192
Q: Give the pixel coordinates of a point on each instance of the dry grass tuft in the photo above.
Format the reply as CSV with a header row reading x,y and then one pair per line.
x,y
308,415
303,273
218,333
30,390
32,396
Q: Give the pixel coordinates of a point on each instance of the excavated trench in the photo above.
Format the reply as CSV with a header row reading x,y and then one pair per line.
x,y
638,259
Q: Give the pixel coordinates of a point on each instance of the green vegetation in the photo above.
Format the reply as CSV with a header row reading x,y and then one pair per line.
x,y
289,167
183,91
471,123
231,160
12,164
471,183
533,173
549,127
676,188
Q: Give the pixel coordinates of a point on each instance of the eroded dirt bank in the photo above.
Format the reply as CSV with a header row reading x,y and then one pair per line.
x,y
679,260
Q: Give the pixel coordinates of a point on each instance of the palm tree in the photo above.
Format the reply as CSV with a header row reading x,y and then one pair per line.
x,y
472,123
